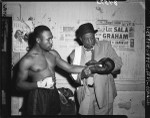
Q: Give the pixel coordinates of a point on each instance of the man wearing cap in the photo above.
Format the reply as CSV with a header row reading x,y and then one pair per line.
x,y
97,91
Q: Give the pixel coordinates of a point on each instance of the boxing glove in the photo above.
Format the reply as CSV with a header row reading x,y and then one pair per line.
x,y
91,62
104,66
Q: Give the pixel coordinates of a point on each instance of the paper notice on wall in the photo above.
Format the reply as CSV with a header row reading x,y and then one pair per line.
x,y
67,33
120,33
21,30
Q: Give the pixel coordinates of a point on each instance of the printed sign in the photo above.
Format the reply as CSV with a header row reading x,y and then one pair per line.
x,y
67,33
120,33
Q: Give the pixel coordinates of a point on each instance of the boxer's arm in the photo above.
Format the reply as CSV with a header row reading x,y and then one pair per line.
x,y
85,73
71,56
22,75
66,66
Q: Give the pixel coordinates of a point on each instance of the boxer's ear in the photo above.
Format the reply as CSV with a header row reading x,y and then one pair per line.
x,y
37,40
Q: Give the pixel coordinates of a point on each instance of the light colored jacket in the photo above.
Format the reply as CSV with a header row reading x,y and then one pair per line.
x,y
104,85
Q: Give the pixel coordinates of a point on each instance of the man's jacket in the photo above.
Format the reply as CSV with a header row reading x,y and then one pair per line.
x,y
104,85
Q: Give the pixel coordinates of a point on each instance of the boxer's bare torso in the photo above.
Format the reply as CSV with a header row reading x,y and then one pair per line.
x,y
39,63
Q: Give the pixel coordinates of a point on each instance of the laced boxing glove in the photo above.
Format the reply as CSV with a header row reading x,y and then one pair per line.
x,y
91,62
104,66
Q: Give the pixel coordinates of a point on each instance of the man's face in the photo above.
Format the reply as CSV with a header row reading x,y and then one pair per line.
x,y
46,42
88,40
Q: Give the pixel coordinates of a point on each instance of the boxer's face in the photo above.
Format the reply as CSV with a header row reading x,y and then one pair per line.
x,y
46,42
88,40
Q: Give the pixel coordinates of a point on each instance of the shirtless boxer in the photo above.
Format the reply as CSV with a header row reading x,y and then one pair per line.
x,y
37,73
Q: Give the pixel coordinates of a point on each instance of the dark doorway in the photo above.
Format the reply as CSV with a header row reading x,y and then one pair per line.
x,y
5,64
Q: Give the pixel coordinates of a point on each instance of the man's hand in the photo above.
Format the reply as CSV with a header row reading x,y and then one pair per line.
x,y
85,73
46,83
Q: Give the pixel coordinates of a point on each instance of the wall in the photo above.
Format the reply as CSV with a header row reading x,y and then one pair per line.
x,y
130,83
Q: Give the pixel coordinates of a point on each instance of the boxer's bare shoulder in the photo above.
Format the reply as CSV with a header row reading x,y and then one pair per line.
x,y
54,53
26,61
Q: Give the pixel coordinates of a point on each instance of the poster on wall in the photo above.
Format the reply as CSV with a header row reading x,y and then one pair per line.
x,y
21,30
119,33
67,33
